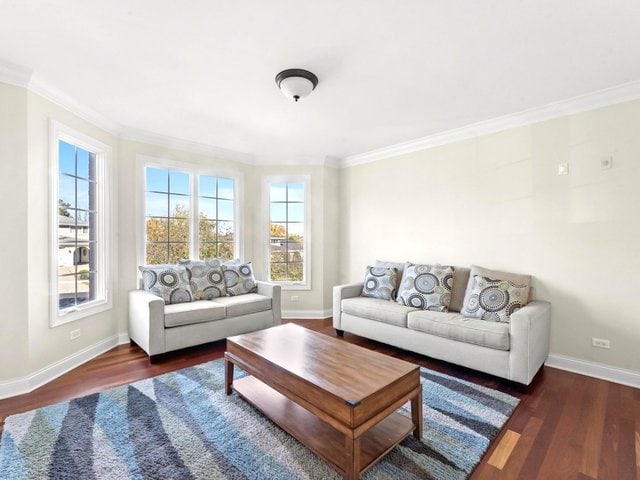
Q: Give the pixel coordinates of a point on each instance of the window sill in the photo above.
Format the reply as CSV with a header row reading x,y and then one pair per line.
x,y
80,313
293,286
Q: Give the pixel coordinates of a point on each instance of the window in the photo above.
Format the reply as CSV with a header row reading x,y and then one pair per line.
x,y
167,215
216,218
188,214
80,240
288,231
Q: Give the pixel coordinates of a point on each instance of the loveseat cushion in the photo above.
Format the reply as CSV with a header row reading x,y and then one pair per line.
x,y
244,304
193,312
378,310
460,328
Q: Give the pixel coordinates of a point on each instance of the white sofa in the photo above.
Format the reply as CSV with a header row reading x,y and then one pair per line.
x,y
514,350
158,328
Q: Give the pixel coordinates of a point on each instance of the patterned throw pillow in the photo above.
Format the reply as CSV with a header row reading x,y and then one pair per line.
x,y
380,283
427,287
171,282
206,278
239,279
494,300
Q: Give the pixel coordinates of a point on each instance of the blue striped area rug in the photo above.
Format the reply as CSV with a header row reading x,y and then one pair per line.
x,y
181,425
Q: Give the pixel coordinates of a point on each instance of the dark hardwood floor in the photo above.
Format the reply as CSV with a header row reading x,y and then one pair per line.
x,y
567,426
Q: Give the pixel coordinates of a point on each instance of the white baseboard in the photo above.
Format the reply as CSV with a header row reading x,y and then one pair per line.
x,y
21,385
307,314
597,370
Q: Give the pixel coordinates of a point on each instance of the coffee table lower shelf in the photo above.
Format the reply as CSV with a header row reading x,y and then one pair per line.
x,y
318,436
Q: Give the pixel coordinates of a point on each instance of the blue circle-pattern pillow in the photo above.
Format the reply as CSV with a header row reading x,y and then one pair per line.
x,y
427,287
380,282
206,278
239,279
494,300
170,282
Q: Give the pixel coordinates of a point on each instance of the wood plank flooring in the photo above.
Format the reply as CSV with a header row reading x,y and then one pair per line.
x,y
567,426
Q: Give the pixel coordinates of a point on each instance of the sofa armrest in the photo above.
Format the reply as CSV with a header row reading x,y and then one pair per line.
x,y
340,292
146,321
529,330
274,291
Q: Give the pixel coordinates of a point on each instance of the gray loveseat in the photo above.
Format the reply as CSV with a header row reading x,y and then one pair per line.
x,y
158,328
514,350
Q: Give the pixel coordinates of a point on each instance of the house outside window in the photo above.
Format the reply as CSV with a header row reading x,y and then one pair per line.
x,y
80,233
288,231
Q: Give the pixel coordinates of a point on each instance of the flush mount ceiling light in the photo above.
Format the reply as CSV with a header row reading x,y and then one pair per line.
x,y
296,83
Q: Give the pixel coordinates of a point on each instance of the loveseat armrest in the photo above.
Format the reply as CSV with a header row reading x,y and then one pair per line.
x,y
273,291
529,330
340,292
146,321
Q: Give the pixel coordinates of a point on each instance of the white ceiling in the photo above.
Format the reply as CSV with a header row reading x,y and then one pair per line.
x,y
390,71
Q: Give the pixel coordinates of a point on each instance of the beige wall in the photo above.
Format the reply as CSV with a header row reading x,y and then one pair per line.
x,y
498,201
324,202
48,345
13,239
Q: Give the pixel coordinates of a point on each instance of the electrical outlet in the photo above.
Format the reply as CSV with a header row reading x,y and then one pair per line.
x,y
294,298
563,168
600,343
74,334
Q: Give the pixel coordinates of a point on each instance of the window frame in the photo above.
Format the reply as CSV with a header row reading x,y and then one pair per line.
x,y
268,180
104,234
194,171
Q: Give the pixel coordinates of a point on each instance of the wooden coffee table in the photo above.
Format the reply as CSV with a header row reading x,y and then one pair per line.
x,y
337,399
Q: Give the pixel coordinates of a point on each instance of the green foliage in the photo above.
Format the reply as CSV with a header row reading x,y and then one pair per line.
x,y
168,239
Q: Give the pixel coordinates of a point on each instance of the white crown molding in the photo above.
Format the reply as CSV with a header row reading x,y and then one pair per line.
x,y
14,74
60,98
143,136
306,314
21,385
596,370
601,98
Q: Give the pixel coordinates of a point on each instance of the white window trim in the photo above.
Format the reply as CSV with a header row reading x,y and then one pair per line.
x,y
194,170
266,215
104,226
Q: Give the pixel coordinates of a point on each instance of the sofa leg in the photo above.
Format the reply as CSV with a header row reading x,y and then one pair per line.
x,y
340,333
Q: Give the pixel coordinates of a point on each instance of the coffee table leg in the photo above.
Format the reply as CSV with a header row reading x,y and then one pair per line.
x,y
416,413
228,375
353,454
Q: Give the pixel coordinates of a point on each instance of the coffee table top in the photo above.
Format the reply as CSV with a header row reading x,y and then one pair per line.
x,y
347,371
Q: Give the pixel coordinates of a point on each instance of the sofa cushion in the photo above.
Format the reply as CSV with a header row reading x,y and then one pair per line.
x,y
193,312
206,278
380,282
244,304
170,282
378,310
238,278
460,328
494,300
427,287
